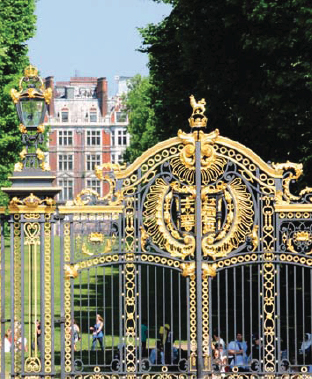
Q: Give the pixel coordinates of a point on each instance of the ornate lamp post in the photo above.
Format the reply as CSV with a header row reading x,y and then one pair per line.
x,y
31,217
31,174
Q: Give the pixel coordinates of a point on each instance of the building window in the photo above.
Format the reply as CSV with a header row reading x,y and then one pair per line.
x,y
64,116
113,137
93,116
122,137
121,117
67,189
65,137
93,137
65,162
120,160
95,185
92,160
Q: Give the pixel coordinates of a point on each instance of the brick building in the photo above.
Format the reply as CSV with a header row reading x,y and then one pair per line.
x,y
87,128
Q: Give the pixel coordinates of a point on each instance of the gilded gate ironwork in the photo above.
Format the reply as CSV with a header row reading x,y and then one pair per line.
x,y
195,264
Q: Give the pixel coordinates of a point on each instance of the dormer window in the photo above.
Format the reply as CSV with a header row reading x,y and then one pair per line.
x,y
121,116
64,115
93,115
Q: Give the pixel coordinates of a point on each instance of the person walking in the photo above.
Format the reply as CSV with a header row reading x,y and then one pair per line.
x,y
237,353
76,334
97,331
144,337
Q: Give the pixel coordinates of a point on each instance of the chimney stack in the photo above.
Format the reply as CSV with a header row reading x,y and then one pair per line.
x,y
101,93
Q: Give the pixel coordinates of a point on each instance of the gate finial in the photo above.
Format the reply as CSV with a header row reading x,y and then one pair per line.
x,y
198,118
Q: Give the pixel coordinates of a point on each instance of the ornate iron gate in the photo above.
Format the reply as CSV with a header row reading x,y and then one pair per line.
x,y
198,247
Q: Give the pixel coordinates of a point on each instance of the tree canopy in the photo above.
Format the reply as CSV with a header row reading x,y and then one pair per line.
x,y
141,117
17,25
251,60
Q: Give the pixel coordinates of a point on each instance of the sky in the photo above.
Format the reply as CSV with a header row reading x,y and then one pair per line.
x,y
92,38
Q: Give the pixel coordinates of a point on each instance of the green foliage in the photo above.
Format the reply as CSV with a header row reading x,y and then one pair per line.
x,y
141,117
252,62
17,25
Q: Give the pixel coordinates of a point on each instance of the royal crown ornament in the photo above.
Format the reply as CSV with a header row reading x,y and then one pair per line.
x,y
30,71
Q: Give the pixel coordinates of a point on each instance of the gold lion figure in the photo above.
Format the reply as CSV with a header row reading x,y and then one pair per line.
x,y
198,107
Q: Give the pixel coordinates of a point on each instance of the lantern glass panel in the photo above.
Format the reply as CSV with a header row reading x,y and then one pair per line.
x,y
32,112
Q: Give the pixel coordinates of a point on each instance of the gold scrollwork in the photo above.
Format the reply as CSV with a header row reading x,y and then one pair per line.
x,y
130,288
254,237
295,171
212,164
31,73
32,241
17,287
237,259
18,167
193,325
109,243
165,375
97,375
32,364
269,311
71,271
238,224
31,201
67,301
295,259
205,313
22,129
268,227
45,166
163,260
85,196
96,237
40,128
23,153
238,375
40,154
188,269
47,298
98,260
144,238
15,95
158,224
209,270
32,216
302,236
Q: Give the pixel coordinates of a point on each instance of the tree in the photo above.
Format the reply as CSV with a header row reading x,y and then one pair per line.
x,y
250,59
17,25
141,117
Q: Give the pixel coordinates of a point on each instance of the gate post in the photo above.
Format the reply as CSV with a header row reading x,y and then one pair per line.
x,y
198,257
31,209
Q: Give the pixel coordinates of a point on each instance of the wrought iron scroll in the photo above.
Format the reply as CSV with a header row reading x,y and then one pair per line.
x,y
193,324
17,290
130,290
67,300
32,242
205,327
47,296
269,297
197,179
